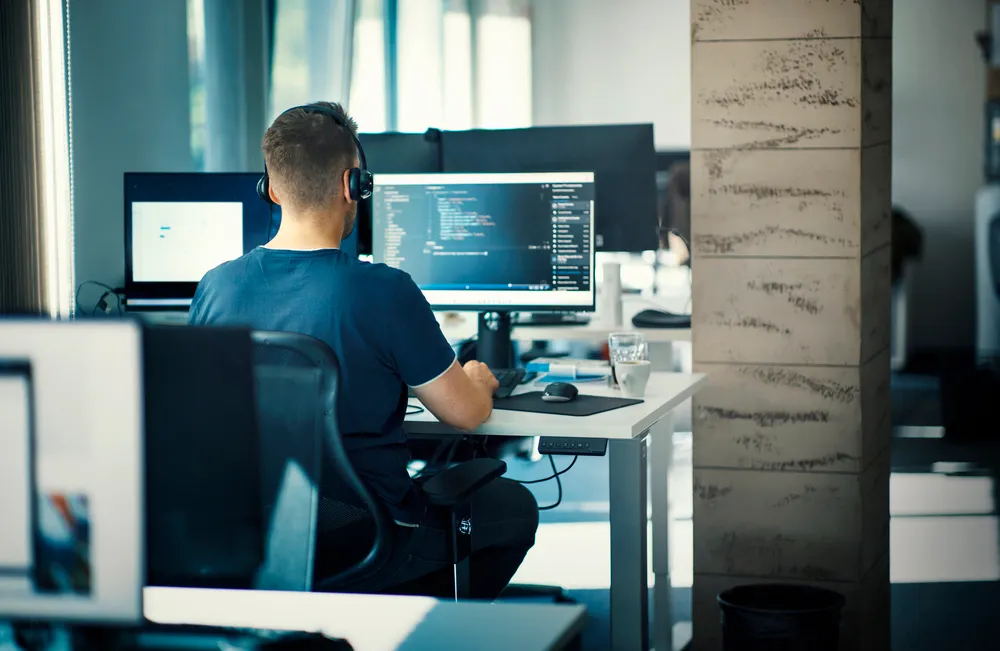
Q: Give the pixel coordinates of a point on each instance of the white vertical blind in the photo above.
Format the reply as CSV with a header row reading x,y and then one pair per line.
x,y
36,252
53,116
420,67
457,55
367,100
503,64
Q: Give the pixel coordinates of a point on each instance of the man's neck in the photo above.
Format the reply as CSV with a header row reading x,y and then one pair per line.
x,y
306,232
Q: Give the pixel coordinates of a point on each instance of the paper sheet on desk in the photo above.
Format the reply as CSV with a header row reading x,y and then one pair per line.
x,y
552,377
573,369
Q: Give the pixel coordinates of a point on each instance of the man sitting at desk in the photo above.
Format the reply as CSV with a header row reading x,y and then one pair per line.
x,y
386,338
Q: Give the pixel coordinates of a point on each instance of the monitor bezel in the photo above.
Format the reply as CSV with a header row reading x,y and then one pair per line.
x,y
174,292
490,306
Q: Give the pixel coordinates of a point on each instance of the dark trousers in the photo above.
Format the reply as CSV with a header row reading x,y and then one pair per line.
x,y
504,522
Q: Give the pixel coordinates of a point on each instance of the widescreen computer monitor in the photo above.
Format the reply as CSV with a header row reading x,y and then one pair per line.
x,y
395,153
402,153
622,157
71,505
179,226
490,242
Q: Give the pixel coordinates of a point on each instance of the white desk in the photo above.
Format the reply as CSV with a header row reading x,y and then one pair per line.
x,y
375,622
629,430
664,393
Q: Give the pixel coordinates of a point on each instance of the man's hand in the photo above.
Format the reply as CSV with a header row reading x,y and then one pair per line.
x,y
461,397
481,375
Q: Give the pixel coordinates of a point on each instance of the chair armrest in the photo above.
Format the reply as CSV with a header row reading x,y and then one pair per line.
x,y
458,484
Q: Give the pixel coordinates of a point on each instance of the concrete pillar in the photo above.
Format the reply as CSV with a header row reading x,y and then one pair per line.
x,y
790,184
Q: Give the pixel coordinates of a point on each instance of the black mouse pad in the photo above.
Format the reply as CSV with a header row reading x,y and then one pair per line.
x,y
582,406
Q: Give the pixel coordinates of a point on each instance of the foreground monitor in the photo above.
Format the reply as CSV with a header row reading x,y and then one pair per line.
x,y
71,499
490,242
180,226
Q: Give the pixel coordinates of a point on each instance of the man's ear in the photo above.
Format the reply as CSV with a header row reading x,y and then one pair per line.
x,y
347,186
270,193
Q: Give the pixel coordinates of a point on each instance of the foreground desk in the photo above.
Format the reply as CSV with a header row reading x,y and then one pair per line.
x,y
375,622
629,429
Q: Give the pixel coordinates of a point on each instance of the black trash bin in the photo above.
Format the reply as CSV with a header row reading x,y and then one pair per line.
x,y
780,617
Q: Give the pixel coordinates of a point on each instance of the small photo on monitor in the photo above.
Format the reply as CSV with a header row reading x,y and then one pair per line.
x,y
62,544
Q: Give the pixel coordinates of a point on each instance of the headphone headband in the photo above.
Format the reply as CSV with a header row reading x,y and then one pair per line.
x,y
359,178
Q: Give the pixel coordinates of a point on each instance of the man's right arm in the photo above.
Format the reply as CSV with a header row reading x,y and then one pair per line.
x,y
457,396
460,397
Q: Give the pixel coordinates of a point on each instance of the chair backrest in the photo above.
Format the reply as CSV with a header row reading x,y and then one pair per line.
x,y
203,520
291,430
297,397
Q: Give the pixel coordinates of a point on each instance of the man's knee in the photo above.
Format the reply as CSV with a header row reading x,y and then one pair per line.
x,y
520,504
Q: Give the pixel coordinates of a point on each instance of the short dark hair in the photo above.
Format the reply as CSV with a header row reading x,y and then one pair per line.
x,y
307,153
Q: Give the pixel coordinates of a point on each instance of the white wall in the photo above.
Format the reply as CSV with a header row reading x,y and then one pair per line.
x,y
632,63
596,61
130,112
937,146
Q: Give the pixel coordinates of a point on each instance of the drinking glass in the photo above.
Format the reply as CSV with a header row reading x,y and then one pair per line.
x,y
626,347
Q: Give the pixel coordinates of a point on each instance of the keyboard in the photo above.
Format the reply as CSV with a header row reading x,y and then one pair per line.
x,y
509,380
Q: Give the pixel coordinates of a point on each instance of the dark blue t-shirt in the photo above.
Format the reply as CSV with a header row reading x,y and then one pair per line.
x,y
377,322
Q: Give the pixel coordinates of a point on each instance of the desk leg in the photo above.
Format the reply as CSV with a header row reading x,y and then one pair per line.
x,y
629,588
661,457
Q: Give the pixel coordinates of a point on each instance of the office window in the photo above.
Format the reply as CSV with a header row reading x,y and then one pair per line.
x,y
503,64
434,69
449,64
196,63
313,57
457,63
462,64
419,64
367,99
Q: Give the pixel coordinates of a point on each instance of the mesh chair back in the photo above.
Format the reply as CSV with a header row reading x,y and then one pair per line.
x,y
280,357
291,431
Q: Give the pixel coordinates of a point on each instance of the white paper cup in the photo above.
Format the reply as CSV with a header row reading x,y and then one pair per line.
x,y
633,376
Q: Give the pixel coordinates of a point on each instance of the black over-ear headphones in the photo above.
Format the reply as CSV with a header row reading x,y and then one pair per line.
x,y
359,179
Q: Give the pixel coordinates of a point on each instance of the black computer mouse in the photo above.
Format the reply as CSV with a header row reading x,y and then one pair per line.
x,y
560,392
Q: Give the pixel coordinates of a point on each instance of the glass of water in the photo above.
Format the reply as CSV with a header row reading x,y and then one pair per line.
x,y
626,347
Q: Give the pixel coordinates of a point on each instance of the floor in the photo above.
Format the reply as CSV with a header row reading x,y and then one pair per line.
x,y
945,533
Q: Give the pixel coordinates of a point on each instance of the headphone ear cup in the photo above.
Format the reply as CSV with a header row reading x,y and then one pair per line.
x,y
354,183
365,184
263,188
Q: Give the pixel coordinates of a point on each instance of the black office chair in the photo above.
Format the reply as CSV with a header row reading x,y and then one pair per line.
x,y
291,448
366,519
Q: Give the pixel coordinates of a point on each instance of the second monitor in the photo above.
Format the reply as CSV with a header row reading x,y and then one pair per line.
x,y
490,242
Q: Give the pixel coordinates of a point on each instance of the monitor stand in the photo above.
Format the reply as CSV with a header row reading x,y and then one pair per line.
x,y
494,347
